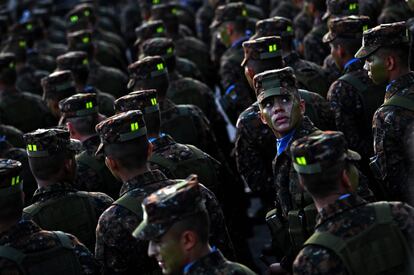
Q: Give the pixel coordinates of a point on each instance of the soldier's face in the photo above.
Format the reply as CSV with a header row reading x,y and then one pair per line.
x,y
282,113
223,35
168,252
377,70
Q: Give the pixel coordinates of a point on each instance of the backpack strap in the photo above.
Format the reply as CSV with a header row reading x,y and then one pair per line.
x,y
64,239
130,203
171,166
400,101
12,254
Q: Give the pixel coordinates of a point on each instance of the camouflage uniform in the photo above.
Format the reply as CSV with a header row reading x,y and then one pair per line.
x,y
115,246
92,173
314,49
286,9
28,238
147,30
12,135
394,11
309,75
107,79
197,124
43,143
350,220
78,64
391,122
237,93
22,110
353,107
166,206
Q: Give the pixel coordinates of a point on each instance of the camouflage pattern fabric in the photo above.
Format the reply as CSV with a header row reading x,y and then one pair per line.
x,y
347,218
390,128
395,11
108,80
28,237
314,50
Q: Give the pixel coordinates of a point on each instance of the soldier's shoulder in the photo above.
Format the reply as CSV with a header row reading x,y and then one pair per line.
x,y
190,110
248,116
99,197
237,269
111,72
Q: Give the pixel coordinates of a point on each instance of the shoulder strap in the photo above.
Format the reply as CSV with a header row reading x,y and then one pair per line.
x,y
400,101
130,203
33,209
354,81
164,162
63,239
12,254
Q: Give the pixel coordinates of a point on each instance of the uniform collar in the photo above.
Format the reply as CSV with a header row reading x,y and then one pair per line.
x,y
399,84
142,180
283,142
45,192
212,260
342,204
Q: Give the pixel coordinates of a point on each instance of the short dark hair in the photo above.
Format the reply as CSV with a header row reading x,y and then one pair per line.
x,y
84,125
350,45
401,51
131,154
160,83
198,223
323,184
46,167
153,122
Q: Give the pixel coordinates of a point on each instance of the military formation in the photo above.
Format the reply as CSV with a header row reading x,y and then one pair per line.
x,y
157,136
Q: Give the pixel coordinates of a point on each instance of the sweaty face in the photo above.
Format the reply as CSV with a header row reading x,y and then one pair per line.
x,y
376,69
281,113
168,253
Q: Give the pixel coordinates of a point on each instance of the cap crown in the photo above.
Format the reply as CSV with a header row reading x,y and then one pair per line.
x,y
262,48
79,105
145,100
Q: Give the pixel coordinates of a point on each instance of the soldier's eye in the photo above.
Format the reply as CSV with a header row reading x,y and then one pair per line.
x,y
285,99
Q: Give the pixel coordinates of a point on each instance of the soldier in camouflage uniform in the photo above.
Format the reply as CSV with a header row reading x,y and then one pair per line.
x,y
354,97
63,253
165,47
382,230
125,144
185,123
175,213
80,114
56,204
147,30
386,48
395,11
309,75
78,64
230,24
106,79
24,111
57,86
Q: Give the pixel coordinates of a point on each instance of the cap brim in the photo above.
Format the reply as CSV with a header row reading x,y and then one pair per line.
x,y
215,24
131,84
352,155
147,232
328,37
326,15
244,62
364,51
100,149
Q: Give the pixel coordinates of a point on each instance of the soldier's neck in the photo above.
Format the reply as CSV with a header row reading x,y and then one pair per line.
x,y
198,252
323,202
127,175
398,72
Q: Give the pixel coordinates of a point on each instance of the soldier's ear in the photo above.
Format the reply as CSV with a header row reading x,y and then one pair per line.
x,y
149,150
302,106
188,240
390,62
346,184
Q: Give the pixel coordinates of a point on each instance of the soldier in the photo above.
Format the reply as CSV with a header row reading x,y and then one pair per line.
x,y
25,247
106,79
56,204
309,75
354,97
125,144
22,110
147,30
288,9
387,48
78,63
57,86
178,67
230,23
80,114
382,230
394,11
176,224
185,123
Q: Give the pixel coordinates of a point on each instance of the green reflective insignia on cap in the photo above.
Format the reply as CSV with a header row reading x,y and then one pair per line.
x,y
86,13
85,61
74,18
89,105
244,12
11,65
301,160
32,147
15,180
353,7
170,50
22,44
174,11
153,101
364,28
155,2
272,48
33,152
86,40
134,126
289,28
160,30
160,66
29,27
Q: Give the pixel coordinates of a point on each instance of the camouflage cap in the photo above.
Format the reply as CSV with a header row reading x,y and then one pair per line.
x,y
79,105
58,85
47,142
10,177
262,48
275,83
315,153
79,40
7,61
145,100
72,60
148,30
120,128
81,11
147,68
160,46
165,12
27,28
383,35
346,27
341,8
228,13
169,205
275,26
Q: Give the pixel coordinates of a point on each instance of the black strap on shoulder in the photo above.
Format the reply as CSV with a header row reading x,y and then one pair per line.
x,y
64,239
12,254
130,203
400,101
